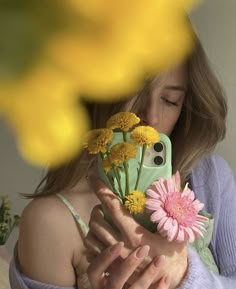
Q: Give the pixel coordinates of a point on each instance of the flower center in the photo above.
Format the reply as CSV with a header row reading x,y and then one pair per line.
x,y
180,208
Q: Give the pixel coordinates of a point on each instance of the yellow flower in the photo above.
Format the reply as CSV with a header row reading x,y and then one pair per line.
x,y
119,39
121,152
123,120
95,48
106,165
45,116
97,140
135,202
145,135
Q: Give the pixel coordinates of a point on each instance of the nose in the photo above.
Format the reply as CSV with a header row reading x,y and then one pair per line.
x,y
150,114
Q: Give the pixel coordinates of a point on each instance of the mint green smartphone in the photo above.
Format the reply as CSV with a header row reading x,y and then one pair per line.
x,y
156,165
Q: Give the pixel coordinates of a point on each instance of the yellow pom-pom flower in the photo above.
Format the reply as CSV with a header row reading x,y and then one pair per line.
x,y
122,152
98,139
123,120
135,202
142,135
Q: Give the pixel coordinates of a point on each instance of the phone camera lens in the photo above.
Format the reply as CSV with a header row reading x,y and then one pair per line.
x,y
158,160
158,147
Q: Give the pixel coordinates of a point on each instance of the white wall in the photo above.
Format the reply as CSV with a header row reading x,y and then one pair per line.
x,y
16,176
215,21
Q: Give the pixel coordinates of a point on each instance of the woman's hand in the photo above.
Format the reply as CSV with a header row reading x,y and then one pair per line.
x,y
118,276
133,235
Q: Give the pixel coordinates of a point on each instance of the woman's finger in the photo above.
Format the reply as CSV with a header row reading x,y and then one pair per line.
x,y
96,270
164,283
119,276
121,217
151,274
93,245
101,229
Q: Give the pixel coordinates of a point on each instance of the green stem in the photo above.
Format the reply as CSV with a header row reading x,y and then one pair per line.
x,y
124,136
116,170
101,155
127,189
111,183
116,176
141,166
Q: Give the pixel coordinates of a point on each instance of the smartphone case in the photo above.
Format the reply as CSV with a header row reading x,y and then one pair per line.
x,y
150,173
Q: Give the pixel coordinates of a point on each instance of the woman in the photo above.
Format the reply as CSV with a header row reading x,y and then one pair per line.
x,y
185,103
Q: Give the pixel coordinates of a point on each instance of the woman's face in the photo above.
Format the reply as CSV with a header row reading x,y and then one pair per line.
x,y
164,106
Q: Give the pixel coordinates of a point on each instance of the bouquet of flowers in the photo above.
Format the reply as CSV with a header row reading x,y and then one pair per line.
x,y
7,223
174,211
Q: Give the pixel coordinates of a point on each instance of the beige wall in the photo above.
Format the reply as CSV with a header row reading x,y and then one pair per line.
x,y
16,176
215,21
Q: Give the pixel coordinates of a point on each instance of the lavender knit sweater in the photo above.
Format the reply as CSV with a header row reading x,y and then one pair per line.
x,y
214,185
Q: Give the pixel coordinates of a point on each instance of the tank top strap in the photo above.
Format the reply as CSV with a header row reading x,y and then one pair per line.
x,y
81,223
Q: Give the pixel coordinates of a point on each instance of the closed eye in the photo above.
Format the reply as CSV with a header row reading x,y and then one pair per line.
x,y
168,101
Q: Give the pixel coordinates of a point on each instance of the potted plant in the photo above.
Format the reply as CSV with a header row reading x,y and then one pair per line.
x,y
7,224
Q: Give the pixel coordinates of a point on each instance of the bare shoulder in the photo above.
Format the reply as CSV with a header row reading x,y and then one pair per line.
x,y
49,240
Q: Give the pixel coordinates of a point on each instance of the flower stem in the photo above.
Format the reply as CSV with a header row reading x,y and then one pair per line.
x,y
116,176
141,166
111,183
124,136
127,189
102,155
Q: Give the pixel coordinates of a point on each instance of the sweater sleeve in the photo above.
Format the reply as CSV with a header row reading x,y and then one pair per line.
x,y
223,246
199,277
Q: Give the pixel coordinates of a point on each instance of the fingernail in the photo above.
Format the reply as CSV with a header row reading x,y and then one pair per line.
x,y
159,260
116,248
142,252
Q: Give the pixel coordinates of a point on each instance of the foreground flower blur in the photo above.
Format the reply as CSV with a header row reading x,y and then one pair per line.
x,y
175,211
55,51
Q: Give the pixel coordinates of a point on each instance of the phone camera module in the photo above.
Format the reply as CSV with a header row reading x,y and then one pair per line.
x,y
158,147
158,160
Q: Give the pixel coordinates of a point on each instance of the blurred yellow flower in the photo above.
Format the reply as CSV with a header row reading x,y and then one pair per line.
x,y
121,152
97,140
100,49
114,44
135,202
45,115
123,120
145,135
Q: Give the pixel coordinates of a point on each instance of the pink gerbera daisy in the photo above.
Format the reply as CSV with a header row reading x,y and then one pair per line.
x,y
175,210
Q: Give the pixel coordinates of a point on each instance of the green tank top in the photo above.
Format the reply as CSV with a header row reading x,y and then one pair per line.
x,y
201,244
81,223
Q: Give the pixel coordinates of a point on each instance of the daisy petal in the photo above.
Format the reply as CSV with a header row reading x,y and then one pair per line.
x,y
153,204
158,215
190,234
174,231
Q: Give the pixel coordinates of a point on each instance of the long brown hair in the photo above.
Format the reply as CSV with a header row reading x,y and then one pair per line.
x,y
200,127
